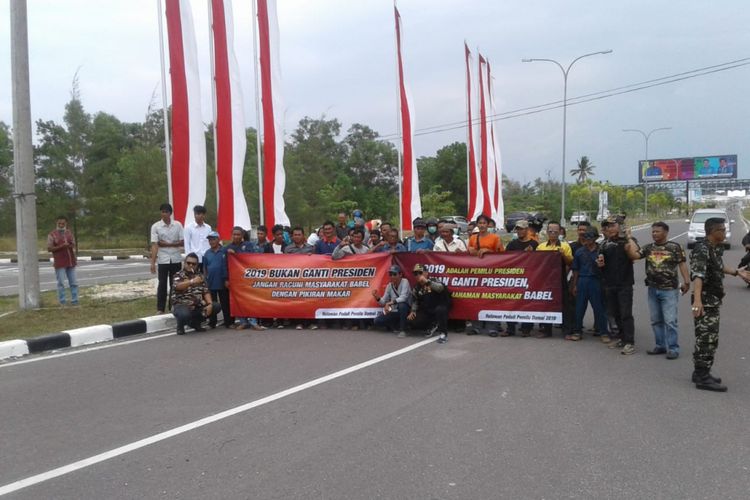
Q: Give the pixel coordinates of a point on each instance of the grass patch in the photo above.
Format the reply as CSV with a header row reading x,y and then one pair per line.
x,y
51,318
746,213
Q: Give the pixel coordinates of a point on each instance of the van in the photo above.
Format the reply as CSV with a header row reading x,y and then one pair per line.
x,y
696,230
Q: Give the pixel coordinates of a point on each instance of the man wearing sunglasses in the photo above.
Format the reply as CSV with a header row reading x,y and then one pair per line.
x,y
395,302
430,304
191,301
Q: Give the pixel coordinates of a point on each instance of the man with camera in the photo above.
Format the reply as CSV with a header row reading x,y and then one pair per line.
x,y
191,301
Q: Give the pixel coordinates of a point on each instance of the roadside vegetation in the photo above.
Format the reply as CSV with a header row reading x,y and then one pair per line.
x,y
94,309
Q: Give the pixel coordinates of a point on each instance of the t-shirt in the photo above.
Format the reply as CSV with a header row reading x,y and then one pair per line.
x,y
518,245
294,249
490,241
561,246
618,268
662,262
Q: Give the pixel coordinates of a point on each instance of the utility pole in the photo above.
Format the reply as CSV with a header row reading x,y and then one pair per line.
x,y
23,160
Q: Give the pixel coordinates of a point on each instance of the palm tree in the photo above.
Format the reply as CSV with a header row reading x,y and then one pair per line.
x,y
584,171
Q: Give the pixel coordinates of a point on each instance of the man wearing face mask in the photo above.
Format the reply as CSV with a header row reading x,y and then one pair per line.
x,y
432,228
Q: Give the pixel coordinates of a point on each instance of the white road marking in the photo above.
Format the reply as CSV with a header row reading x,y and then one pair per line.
x,y
86,462
114,343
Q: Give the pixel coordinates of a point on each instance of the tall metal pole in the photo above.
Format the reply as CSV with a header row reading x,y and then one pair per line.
x,y
565,72
23,160
256,68
646,137
165,112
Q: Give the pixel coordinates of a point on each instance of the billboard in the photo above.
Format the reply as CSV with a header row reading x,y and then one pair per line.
x,y
688,169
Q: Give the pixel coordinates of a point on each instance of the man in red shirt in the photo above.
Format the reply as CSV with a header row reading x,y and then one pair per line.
x,y
62,245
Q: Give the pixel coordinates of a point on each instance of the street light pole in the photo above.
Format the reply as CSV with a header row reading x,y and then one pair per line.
x,y
646,137
565,72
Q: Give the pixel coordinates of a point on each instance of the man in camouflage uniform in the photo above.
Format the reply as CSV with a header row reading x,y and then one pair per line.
x,y
191,301
707,272
430,305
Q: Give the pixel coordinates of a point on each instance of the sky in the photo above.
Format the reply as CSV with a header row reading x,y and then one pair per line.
x,y
338,61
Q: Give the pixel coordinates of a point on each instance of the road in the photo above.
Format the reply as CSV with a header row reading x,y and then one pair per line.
x,y
87,272
477,418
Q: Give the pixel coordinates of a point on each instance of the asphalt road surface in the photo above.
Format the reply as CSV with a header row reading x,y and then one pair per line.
x,y
87,272
211,415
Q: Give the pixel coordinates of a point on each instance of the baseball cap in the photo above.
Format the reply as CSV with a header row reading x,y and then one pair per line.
x,y
419,222
212,234
589,234
394,269
523,224
418,268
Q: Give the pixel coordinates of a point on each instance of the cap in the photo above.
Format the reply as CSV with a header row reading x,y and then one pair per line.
x,y
394,269
523,224
212,234
418,268
612,219
419,222
357,213
589,234
432,221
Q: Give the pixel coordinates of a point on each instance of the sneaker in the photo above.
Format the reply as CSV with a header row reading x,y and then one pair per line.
x,y
606,339
401,334
280,326
616,344
492,333
673,355
442,338
313,327
258,327
431,332
180,331
299,326
656,350
628,349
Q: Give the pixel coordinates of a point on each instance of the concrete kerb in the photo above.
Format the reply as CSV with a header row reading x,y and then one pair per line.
x,y
85,336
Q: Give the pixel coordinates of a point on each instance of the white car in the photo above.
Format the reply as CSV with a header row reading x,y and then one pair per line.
x,y
696,230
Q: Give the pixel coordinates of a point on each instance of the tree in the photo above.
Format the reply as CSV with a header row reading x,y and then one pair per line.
x,y
584,171
7,203
445,173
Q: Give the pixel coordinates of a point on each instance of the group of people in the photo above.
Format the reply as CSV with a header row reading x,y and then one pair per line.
x,y
597,271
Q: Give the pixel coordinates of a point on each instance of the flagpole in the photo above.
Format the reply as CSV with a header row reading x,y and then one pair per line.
x,y
256,67
167,146
213,95
468,133
398,127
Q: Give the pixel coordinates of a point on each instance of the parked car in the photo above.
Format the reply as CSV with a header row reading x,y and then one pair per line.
x,y
461,223
696,230
536,219
579,217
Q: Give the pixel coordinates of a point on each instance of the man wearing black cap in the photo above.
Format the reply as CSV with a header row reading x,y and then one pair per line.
x,y
586,286
617,277
396,302
419,243
430,305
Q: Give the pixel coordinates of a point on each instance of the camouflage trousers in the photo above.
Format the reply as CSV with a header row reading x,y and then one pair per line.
x,y
706,338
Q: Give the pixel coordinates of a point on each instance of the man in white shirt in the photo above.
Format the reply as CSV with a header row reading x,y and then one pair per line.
x,y
196,235
167,240
448,241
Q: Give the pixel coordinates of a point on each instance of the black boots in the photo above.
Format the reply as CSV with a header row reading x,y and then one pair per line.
x,y
705,381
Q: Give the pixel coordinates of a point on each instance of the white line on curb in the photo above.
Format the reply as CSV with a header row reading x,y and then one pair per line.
x,y
86,462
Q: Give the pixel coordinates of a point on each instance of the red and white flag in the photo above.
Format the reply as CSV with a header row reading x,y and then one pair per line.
x,y
486,160
229,123
188,172
498,207
274,177
475,189
411,205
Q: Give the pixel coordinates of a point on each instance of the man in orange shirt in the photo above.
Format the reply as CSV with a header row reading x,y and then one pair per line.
x,y
482,241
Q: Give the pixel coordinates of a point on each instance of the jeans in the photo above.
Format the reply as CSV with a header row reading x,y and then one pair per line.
x,y
191,317
663,307
61,273
619,301
394,318
589,290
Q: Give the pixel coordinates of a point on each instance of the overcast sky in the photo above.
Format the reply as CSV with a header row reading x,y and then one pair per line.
x,y
337,59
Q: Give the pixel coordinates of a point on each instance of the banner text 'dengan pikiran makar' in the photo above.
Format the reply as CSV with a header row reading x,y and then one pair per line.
x,y
515,286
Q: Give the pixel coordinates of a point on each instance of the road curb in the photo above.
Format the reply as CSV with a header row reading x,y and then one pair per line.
x,y
85,336
85,258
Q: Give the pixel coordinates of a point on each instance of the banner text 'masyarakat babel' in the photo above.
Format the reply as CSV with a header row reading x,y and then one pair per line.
x,y
515,286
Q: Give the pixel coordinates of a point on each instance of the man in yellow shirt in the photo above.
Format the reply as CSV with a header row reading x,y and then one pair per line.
x,y
555,244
